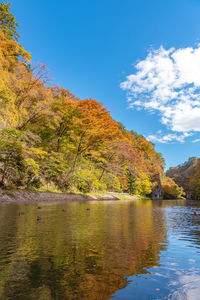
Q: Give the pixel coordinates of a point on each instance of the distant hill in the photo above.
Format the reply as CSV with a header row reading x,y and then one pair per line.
x,y
187,175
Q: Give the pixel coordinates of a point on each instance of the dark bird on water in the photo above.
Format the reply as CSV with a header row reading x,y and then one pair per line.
x,y
39,207
21,213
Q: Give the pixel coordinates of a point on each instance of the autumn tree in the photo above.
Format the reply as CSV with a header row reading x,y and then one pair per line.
x,y
48,136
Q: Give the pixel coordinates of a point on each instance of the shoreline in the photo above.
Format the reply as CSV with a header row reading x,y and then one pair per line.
x,y
26,197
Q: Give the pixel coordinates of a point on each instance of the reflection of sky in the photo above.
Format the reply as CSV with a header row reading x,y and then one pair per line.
x,y
178,276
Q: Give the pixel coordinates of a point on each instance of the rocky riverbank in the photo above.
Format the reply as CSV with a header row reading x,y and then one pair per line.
x,y
7,197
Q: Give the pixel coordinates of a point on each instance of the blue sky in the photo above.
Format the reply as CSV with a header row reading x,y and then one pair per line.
x,y
90,47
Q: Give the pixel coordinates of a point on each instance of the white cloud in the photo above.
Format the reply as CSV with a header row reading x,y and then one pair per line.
x,y
168,81
196,141
171,137
188,287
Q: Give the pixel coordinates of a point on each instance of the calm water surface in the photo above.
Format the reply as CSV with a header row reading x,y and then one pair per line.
x,y
126,250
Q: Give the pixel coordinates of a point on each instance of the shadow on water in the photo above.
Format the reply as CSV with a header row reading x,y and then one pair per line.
x,y
75,253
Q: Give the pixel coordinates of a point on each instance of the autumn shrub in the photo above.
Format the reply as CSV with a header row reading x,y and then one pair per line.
x,y
171,190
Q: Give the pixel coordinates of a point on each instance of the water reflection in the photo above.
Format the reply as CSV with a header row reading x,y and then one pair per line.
x,y
77,253
178,276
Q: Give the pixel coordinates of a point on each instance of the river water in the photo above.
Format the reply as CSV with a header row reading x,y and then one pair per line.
x,y
99,250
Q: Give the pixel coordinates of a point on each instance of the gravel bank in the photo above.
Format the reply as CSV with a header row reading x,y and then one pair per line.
x,y
7,197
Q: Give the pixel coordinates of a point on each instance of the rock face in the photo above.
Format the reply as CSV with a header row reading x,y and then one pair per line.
x,y
157,192
189,195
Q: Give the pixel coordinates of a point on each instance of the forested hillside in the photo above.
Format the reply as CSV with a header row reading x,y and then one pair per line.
x,y
51,140
187,176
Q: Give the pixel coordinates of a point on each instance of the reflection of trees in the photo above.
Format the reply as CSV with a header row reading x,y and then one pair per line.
x,y
8,229
80,254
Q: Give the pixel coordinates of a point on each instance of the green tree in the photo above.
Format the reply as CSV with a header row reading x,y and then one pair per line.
x,y
131,182
7,21
11,158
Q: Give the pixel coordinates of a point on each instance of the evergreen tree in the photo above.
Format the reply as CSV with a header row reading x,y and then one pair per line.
x,y
131,182
7,21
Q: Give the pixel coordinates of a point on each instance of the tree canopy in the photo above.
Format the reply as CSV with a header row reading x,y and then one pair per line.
x,y
50,139
187,175
7,21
